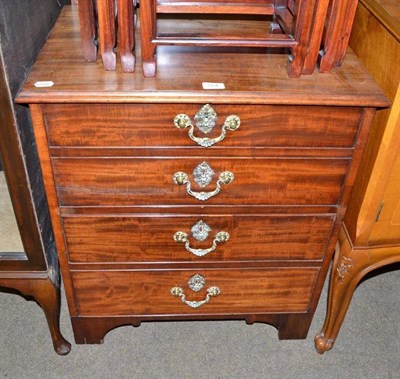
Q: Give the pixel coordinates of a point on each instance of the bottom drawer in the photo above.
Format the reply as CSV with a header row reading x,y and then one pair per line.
x,y
223,291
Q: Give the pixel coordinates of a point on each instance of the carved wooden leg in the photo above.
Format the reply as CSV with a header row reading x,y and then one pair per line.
x,y
47,294
349,267
148,33
341,288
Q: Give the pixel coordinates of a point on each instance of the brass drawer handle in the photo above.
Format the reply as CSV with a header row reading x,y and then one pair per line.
x,y
178,292
200,232
182,237
196,283
203,175
205,120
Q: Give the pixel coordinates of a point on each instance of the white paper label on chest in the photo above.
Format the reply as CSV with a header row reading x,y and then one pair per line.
x,y
44,84
212,85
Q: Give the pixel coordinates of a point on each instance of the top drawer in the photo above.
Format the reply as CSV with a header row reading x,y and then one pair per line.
x,y
152,125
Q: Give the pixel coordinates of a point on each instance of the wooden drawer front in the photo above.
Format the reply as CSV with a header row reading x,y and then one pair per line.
x,y
152,125
151,238
131,181
109,293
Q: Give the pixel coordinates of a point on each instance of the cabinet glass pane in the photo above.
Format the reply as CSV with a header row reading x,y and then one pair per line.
x,y
10,240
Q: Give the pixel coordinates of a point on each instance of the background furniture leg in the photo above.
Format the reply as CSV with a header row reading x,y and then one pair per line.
x,y
47,295
349,267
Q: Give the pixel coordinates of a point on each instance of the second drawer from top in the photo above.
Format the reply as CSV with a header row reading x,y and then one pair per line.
x,y
194,181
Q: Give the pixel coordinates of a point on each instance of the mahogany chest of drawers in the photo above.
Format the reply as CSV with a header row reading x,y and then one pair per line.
x,y
170,201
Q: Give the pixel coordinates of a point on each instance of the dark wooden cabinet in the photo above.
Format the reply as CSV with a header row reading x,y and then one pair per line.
x,y
34,272
174,202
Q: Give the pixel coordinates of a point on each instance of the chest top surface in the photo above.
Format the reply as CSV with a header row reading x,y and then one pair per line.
x,y
249,78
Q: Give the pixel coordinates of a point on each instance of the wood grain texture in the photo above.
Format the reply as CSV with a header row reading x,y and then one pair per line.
x,y
383,143
112,173
147,238
44,156
92,330
143,181
243,209
126,34
252,79
387,12
216,7
386,230
47,294
147,34
23,31
18,183
297,26
231,152
370,235
107,293
152,125
301,30
351,264
346,31
107,34
337,33
314,44
88,29
34,272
